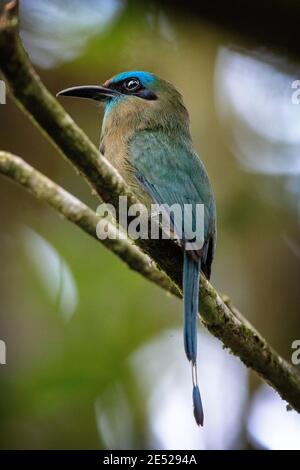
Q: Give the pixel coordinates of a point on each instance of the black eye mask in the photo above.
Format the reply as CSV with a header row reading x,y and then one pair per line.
x,y
139,90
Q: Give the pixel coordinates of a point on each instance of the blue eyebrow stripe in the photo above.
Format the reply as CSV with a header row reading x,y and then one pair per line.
x,y
145,77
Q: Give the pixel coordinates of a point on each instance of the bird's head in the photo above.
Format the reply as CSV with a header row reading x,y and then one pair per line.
x,y
136,98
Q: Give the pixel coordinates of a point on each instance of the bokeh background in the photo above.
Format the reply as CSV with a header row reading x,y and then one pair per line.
x,y
94,352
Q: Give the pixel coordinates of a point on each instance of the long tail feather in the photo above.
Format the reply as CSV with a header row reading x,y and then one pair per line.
x,y
197,402
191,274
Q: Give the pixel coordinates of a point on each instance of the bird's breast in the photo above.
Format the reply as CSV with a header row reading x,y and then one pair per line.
x,y
115,146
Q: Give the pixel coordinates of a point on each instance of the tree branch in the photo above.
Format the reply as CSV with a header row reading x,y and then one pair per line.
x,y
75,211
222,319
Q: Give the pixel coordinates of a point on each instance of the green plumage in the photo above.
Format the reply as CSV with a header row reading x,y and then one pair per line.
x,y
145,134
150,144
171,173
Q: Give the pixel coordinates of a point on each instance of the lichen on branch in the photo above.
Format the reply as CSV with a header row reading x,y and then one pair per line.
x,y
160,261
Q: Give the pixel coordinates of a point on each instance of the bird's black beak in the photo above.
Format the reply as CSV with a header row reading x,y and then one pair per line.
x,y
91,92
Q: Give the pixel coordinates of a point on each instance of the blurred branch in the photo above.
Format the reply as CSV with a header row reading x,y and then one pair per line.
x,y
220,317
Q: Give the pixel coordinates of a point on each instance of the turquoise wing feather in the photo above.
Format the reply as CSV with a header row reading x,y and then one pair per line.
x,y
171,172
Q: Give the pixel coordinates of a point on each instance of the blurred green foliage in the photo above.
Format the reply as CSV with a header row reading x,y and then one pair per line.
x,y
55,369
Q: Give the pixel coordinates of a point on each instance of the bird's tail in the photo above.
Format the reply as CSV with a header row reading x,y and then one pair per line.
x,y
191,274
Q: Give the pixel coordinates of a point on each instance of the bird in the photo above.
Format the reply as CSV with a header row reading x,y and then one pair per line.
x,y
146,136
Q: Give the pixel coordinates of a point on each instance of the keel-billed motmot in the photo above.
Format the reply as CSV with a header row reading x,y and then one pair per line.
x,y
146,136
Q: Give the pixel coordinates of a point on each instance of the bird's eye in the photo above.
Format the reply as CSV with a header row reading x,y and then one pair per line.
x,y
131,84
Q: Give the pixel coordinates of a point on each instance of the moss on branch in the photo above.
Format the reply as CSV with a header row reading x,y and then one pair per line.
x,y
160,261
